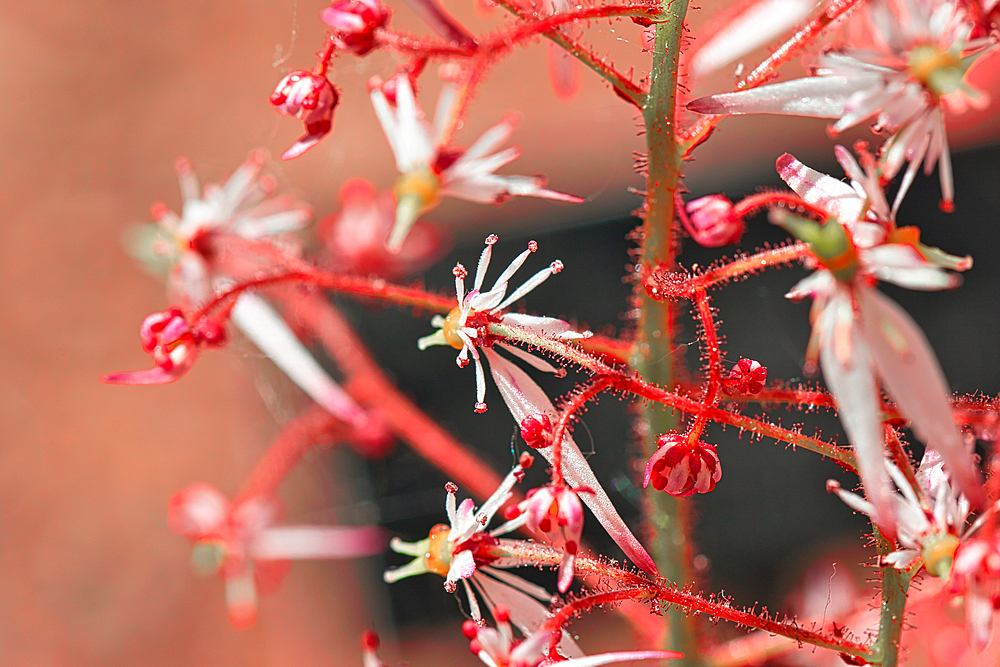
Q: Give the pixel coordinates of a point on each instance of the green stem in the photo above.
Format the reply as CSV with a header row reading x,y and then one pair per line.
x,y
668,517
895,584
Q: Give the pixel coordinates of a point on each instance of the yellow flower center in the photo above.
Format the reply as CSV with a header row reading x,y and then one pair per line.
x,y
939,70
452,323
939,553
208,556
421,184
438,556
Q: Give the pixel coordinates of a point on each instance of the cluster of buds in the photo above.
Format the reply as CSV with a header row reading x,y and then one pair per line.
x,y
174,345
682,467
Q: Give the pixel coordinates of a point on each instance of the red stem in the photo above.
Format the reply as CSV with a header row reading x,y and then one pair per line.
x,y
710,342
569,410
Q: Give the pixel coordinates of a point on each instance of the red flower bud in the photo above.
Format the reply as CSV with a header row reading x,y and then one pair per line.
x,y
354,23
747,377
712,221
681,468
536,429
310,98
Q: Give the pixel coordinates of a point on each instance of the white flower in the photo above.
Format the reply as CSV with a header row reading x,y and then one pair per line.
x,y
926,55
465,326
859,333
932,525
497,648
430,170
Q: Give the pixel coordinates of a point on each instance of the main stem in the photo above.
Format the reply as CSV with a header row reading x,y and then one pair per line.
x,y
653,355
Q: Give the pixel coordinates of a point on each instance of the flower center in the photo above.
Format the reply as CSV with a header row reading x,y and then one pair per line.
x,y
208,556
939,553
452,324
420,184
438,556
939,70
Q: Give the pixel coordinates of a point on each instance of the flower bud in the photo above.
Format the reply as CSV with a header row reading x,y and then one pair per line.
x,y
712,221
310,98
354,23
747,377
681,468
536,429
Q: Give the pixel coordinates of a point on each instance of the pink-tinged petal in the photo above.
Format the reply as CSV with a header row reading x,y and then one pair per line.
x,y
978,620
755,26
564,72
491,139
818,97
149,376
621,656
565,577
271,335
911,373
241,598
528,358
543,326
532,650
902,265
834,196
853,387
298,542
463,565
523,397
197,511
525,613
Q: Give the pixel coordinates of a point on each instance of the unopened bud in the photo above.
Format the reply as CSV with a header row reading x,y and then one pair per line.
x,y
310,98
682,468
536,429
747,377
354,23
712,222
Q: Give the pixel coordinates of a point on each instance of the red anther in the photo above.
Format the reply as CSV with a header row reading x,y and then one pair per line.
x,y
312,99
947,205
832,486
526,460
556,267
747,377
480,408
354,23
210,333
369,640
451,487
470,629
712,221
492,239
460,272
158,210
482,519
451,586
571,548
687,468
533,246
501,613
474,645
536,429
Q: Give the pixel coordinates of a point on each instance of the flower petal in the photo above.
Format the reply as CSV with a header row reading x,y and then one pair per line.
x,y
298,542
197,511
817,96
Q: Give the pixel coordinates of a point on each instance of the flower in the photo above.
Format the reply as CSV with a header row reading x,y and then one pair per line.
x,y
976,575
240,542
712,222
465,327
926,57
245,205
430,170
557,512
312,99
497,647
174,345
681,467
930,525
859,332
354,23
355,237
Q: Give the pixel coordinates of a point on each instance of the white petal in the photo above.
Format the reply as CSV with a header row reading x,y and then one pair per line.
x,y
912,375
462,566
523,397
269,332
816,96
828,193
902,265
295,542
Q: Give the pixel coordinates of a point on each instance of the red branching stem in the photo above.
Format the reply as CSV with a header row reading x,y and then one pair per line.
x,y
635,586
568,414
813,398
754,203
622,84
565,613
312,427
698,132
670,284
710,398
368,385
324,57
612,350
421,46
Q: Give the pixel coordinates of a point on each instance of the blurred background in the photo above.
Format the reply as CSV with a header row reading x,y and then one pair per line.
x,y
103,96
